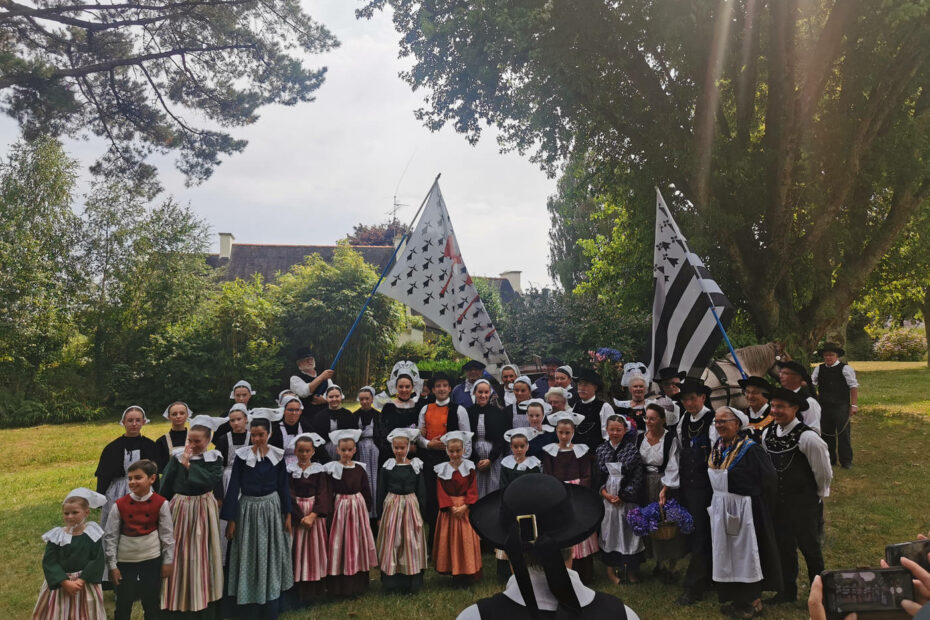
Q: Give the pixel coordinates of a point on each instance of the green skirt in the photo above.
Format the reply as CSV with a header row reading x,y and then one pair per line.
x,y
260,566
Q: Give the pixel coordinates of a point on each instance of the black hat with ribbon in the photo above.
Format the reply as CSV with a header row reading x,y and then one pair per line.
x,y
757,382
539,514
667,374
791,397
473,365
831,347
692,386
590,376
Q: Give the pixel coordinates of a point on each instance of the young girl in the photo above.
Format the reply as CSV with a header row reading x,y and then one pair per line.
x,y
228,438
119,454
368,452
292,425
242,392
456,547
257,509
621,472
177,413
536,416
523,393
401,492
351,544
311,505
572,464
488,423
514,465
192,474
73,563
334,418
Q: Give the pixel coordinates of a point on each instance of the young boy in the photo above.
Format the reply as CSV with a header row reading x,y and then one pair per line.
x,y
139,543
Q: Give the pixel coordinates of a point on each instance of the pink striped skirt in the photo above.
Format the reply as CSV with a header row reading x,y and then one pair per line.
x,y
310,545
197,578
351,544
401,542
56,605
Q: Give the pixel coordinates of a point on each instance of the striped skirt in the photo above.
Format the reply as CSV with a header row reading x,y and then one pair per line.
x,y
310,545
197,576
56,605
351,544
260,558
401,542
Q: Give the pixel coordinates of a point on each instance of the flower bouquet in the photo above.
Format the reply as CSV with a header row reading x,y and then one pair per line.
x,y
608,363
660,523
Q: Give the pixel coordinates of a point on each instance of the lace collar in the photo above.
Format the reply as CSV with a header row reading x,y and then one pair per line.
x,y
334,468
208,457
296,472
416,463
58,536
445,470
275,455
579,449
528,463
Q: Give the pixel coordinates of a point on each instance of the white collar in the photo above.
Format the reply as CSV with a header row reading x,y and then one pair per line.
x,y
334,468
756,414
443,403
547,429
208,457
297,472
787,428
545,600
143,498
590,400
58,536
528,463
797,389
445,471
415,463
836,363
404,404
699,415
246,453
579,449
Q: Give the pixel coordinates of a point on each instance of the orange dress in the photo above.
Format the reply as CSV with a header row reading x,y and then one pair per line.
x,y
456,546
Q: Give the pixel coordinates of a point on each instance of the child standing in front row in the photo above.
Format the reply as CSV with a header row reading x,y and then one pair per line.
x,y
456,547
311,504
73,563
351,544
188,483
139,542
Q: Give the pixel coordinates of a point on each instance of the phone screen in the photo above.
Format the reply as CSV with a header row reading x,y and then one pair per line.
x,y
916,551
869,589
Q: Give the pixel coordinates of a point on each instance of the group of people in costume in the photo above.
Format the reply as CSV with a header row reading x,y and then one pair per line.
x,y
307,497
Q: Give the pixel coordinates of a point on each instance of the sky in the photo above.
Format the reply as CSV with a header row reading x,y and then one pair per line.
x,y
312,171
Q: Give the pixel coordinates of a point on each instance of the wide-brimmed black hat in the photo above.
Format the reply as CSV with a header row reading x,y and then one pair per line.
x,y
539,514
666,374
586,374
551,359
757,382
692,386
829,347
790,397
473,365
439,375
303,353
797,369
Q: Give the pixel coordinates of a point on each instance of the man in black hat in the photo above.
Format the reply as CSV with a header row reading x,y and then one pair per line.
x,y
669,381
461,393
595,411
839,397
757,391
804,474
795,377
697,435
309,385
536,520
542,385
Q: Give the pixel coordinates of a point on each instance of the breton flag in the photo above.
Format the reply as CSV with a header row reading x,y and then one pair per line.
x,y
430,277
684,330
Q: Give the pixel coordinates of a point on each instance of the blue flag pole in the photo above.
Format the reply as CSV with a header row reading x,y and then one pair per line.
x,y
384,272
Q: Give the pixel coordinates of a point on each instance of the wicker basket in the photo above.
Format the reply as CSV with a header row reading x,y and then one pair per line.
x,y
667,530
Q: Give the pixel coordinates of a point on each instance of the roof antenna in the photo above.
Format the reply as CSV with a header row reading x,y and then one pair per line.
x,y
396,206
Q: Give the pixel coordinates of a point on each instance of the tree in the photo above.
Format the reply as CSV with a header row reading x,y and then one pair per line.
x,y
131,72
790,138
39,284
376,234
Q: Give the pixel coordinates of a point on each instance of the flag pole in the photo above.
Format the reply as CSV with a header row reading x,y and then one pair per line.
x,y
713,307
384,271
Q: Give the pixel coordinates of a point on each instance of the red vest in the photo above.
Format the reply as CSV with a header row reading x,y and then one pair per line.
x,y
139,518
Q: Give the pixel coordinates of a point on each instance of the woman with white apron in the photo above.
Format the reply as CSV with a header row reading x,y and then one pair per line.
x,y
745,555
620,468
119,454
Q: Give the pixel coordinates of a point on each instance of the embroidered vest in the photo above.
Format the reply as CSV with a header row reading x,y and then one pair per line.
x,y
695,450
139,518
795,477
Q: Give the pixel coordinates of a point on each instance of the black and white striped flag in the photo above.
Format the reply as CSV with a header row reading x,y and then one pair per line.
x,y
684,330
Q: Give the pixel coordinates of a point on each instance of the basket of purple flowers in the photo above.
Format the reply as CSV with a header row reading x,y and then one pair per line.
x,y
660,523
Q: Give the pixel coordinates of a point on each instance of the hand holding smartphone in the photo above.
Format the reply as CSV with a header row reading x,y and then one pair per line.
x,y
865,589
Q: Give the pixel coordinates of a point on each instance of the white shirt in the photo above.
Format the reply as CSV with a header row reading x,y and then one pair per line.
x,y
814,450
652,457
464,424
712,435
545,600
111,536
812,415
848,373
302,388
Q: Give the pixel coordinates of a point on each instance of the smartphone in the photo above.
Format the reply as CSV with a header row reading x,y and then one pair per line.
x,y
865,589
916,551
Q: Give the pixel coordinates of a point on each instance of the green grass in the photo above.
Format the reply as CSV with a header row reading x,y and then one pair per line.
x,y
879,501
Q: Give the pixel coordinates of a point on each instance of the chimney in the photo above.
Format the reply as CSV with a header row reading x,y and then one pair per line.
x,y
226,240
514,278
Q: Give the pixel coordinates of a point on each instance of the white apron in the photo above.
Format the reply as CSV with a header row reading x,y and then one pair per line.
x,y
616,534
227,474
732,533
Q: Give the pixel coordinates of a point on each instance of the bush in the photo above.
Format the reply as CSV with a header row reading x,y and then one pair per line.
x,y
451,367
16,410
901,345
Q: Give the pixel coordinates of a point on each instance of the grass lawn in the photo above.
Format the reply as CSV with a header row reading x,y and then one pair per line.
x,y
875,503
